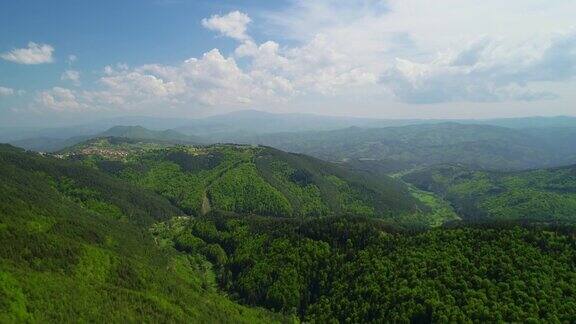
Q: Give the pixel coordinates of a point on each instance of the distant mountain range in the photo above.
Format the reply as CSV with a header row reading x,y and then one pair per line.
x,y
139,132
259,122
390,145
46,144
478,146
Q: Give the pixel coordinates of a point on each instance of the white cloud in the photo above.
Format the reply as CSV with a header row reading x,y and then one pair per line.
x,y
486,71
4,92
274,75
233,24
315,67
416,51
71,59
210,80
71,75
60,99
409,51
33,54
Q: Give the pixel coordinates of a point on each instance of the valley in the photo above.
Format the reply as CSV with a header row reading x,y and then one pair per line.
x,y
176,228
243,161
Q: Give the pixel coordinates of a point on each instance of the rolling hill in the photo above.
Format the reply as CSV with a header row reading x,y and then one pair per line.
x,y
75,245
253,180
254,122
48,144
478,146
139,132
387,145
546,195
79,243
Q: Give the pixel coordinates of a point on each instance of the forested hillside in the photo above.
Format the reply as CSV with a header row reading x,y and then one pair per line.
x,y
478,146
75,246
537,195
360,270
139,132
340,246
254,180
526,144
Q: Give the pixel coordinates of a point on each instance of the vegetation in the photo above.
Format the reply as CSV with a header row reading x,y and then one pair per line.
x,y
361,270
243,190
537,195
441,210
509,144
252,180
398,148
141,133
128,229
75,246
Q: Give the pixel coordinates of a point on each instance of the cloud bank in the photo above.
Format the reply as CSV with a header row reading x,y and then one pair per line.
x,y
406,51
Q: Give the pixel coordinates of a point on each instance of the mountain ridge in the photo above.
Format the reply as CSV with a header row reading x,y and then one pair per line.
x,y
253,179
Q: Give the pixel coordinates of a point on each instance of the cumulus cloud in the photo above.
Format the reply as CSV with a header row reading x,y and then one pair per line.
x,y
338,48
233,24
33,54
209,80
416,50
273,75
71,75
315,67
4,92
60,99
485,71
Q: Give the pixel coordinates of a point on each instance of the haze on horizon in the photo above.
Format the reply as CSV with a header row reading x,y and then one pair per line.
x,y
71,62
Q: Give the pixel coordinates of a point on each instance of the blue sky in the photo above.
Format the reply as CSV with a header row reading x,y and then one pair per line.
x,y
107,32
70,61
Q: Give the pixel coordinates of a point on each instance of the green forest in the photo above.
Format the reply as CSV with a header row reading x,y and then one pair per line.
x,y
546,195
287,162
475,145
128,230
75,246
354,269
255,180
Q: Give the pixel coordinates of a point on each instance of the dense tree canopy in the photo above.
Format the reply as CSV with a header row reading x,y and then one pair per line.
x,y
75,246
358,270
253,180
148,232
547,195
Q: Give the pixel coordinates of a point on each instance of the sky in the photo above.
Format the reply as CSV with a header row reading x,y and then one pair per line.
x,y
72,61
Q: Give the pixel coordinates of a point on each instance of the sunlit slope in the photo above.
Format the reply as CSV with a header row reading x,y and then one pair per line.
x,y
539,195
250,179
75,246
